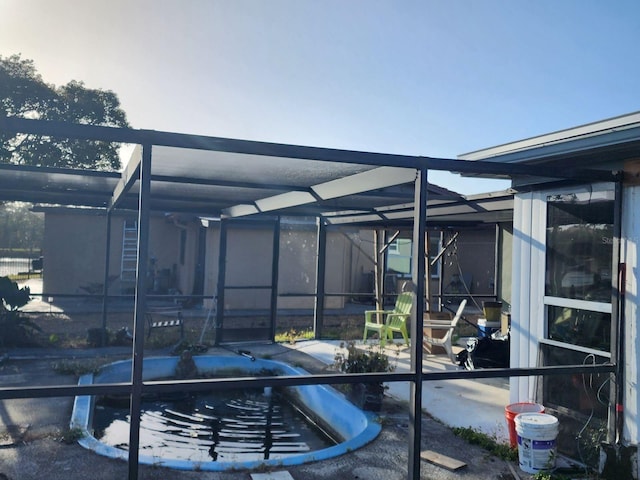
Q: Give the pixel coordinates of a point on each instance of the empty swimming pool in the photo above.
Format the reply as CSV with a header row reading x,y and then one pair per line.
x,y
239,430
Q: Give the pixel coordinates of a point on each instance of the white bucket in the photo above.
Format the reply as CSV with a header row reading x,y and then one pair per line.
x,y
537,433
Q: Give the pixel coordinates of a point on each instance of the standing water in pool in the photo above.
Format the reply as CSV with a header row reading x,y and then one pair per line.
x,y
225,426
222,430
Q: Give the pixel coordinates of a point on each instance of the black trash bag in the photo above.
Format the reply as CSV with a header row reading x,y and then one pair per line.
x,y
485,352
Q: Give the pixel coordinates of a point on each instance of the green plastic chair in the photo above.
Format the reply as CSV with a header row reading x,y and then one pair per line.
x,y
386,322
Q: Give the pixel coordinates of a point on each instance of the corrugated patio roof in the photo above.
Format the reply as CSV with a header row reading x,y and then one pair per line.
x,y
213,177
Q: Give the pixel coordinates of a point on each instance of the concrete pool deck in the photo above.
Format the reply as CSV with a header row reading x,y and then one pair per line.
x,y
478,404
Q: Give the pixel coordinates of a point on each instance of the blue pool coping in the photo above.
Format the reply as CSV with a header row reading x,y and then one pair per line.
x,y
355,426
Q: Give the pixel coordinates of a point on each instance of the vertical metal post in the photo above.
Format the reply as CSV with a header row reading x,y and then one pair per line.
x,y
105,288
418,277
140,308
377,286
321,270
222,271
441,300
427,272
382,262
380,266
616,412
497,262
275,264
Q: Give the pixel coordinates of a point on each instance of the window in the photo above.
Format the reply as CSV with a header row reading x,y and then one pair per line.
x,y
579,262
579,401
400,251
399,256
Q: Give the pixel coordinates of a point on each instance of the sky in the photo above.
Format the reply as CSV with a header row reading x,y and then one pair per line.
x,y
436,78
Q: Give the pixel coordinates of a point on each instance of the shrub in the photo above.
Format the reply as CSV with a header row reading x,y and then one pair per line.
x,y
361,361
16,329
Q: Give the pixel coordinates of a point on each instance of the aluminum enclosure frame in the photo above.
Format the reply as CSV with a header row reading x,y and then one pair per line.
x,y
134,190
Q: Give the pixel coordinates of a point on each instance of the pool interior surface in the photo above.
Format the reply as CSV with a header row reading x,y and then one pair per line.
x,y
256,436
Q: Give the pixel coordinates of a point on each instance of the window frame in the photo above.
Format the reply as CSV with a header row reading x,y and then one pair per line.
x,y
565,302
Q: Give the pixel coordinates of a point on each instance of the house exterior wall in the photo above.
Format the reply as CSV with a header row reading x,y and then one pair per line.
x,y
248,263
164,240
182,254
630,253
611,145
527,317
75,246
473,259
553,325
74,251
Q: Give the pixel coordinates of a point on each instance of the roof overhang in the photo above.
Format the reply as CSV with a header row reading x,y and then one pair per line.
x,y
604,142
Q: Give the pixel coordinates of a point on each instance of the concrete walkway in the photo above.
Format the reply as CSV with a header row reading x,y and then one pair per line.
x,y
478,404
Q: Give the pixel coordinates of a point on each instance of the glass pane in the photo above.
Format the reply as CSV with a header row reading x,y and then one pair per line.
x,y
580,246
580,401
399,257
579,327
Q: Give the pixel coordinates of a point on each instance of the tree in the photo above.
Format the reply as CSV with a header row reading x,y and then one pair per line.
x,y
24,94
20,228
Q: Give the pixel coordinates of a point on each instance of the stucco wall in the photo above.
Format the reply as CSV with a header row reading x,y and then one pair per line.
x,y
474,257
185,264
248,263
74,251
75,247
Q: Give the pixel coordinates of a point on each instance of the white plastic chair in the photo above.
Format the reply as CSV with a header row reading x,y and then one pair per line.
x,y
448,326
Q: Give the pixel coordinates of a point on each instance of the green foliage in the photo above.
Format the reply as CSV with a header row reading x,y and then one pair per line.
x,y
11,296
24,94
500,450
292,336
550,476
71,435
186,346
78,367
16,329
355,360
20,228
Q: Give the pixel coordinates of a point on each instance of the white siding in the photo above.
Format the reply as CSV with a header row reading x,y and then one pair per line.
x,y
630,246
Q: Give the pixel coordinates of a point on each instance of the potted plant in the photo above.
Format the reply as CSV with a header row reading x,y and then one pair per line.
x,y
16,329
350,359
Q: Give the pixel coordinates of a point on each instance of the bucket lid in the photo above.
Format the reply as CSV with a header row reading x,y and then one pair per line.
x,y
536,420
